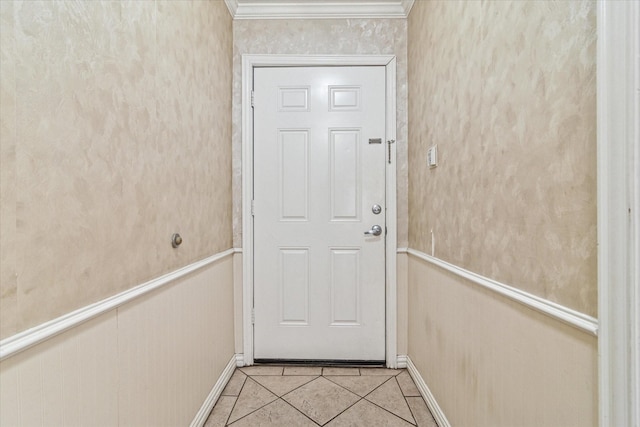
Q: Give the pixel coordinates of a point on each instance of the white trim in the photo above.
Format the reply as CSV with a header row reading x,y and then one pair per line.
x,y
239,360
618,101
248,64
19,342
401,361
402,251
247,202
318,9
391,241
214,394
232,5
559,312
428,397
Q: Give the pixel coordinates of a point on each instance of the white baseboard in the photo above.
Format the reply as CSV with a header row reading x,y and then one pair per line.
x,y
402,361
428,397
216,391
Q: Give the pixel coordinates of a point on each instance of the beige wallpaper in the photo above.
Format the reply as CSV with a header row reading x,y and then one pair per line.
x,y
322,37
116,133
506,89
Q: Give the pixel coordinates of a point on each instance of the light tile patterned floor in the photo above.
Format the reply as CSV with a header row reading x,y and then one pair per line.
x,y
315,396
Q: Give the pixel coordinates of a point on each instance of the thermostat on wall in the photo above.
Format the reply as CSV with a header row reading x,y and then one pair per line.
x,y
432,156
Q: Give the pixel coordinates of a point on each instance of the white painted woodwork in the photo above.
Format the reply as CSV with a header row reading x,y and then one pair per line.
x,y
249,63
319,282
618,98
318,9
559,312
151,360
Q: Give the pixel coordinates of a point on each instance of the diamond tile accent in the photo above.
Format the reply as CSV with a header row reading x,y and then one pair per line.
x,y
253,396
282,385
359,385
276,414
389,396
367,414
321,400
312,396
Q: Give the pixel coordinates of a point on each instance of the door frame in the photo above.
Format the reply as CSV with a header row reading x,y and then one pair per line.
x,y
618,170
249,62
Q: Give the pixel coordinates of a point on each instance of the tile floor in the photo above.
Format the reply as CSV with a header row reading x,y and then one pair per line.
x,y
317,396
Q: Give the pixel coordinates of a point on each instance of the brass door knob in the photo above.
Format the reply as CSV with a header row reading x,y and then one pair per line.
x,y
176,240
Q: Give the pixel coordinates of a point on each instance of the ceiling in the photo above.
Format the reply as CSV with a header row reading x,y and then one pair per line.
x,y
318,9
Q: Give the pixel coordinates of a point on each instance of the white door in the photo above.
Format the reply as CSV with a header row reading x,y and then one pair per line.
x,y
319,171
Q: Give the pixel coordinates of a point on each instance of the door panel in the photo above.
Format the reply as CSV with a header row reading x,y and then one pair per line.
x,y
319,281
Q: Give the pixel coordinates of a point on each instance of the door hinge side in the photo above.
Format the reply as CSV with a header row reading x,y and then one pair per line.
x,y
253,316
389,142
253,208
253,99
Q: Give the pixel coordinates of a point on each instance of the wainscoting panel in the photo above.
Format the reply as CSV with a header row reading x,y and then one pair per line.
x,y
492,361
67,380
173,346
152,360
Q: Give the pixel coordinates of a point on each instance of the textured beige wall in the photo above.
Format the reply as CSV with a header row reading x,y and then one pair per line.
x,y
507,91
116,133
492,362
322,37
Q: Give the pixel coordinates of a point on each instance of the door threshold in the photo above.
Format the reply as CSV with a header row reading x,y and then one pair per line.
x,y
322,362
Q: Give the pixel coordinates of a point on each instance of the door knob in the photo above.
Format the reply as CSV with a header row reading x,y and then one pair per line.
x,y
376,230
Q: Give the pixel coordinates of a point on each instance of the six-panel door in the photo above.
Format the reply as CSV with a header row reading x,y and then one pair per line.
x,y
319,168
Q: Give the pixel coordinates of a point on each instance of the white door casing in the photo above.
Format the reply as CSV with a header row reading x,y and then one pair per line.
x,y
249,63
319,168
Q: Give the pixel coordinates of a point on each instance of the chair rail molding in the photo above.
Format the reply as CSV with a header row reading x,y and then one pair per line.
x,y
23,340
559,312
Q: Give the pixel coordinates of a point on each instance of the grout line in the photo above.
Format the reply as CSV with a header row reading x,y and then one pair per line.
x,y
298,410
401,394
257,409
415,420
347,408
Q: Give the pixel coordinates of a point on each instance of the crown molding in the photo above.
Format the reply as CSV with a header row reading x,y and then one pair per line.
x,y
301,9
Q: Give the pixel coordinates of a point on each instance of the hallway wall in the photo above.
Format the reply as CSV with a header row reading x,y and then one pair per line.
x,y
115,133
506,89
